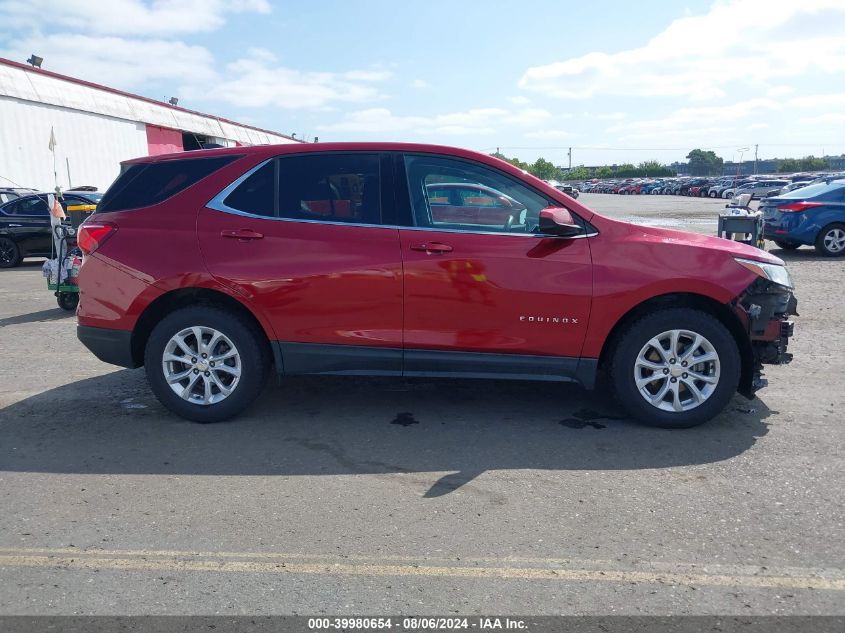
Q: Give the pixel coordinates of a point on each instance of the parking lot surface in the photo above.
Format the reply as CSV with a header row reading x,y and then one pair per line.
x,y
386,496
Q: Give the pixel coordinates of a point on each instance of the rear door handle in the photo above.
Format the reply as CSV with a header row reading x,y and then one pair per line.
x,y
432,247
16,225
242,234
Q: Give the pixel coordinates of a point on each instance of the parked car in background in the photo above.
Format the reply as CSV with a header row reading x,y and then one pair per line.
x,y
10,193
25,225
760,188
331,258
569,190
793,186
812,215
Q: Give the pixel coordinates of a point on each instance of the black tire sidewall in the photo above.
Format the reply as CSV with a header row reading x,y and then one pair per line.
x,y
820,247
251,346
15,260
631,341
68,300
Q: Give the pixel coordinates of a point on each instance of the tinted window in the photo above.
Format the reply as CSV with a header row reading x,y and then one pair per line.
x,y
477,197
335,187
30,205
145,184
256,194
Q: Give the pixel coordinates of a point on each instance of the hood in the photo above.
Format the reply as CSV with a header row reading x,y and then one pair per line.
x,y
673,236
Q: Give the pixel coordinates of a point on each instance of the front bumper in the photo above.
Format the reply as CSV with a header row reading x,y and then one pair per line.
x,y
765,308
110,346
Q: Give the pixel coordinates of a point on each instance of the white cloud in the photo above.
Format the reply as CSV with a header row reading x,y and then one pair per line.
x,y
831,118
118,62
607,116
260,81
817,101
420,84
125,17
253,81
693,120
519,100
476,121
550,134
704,56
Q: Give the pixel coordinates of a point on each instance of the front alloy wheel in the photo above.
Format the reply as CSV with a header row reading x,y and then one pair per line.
x,y
677,370
674,367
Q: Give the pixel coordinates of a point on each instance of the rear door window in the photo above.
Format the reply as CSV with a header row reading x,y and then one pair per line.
x,y
330,187
313,187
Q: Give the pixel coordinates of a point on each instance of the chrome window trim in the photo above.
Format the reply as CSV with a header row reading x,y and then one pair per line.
x,y
217,204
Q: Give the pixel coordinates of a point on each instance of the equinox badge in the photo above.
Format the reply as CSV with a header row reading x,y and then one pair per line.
x,y
544,319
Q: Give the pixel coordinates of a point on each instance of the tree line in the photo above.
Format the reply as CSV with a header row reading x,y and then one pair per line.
x,y
700,162
547,170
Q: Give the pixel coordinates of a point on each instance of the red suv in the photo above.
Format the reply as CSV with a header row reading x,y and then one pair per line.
x,y
387,259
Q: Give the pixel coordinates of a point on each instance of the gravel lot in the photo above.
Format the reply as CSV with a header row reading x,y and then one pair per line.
x,y
378,496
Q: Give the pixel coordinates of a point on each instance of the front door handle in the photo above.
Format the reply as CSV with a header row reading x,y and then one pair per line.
x,y
242,234
16,225
432,247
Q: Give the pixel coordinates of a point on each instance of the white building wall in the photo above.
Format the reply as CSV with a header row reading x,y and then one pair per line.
x,y
93,144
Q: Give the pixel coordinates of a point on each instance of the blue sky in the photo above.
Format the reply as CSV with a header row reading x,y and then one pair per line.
x,y
618,82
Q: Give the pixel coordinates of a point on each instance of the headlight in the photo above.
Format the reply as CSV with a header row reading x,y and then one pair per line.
x,y
773,272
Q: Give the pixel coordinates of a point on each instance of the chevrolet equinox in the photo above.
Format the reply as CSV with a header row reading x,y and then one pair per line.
x,y
209,268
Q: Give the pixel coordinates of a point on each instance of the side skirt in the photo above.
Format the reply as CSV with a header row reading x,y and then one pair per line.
x,y
353,360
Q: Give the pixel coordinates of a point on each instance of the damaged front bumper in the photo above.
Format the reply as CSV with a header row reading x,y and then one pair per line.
x,y
764,309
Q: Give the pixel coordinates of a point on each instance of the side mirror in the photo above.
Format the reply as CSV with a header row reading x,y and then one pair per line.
x,y
558,221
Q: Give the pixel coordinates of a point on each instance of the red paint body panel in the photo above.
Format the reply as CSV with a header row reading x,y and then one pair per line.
x,y
632,264
489,293
317,283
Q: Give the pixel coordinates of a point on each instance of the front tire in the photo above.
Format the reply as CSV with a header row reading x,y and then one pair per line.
x,y
206,364
830,241
675,368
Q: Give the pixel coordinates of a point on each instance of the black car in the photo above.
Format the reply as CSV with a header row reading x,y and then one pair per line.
x,y
25,225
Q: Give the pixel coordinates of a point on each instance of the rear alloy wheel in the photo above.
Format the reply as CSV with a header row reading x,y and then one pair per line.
x,y
10,254
206,364
831,240
675,368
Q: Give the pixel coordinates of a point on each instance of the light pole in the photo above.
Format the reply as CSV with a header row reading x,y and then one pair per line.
x,y
741,151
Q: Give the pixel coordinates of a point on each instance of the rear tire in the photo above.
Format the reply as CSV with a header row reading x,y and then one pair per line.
x,y
830,241
787,246
237,359
635,357
10,254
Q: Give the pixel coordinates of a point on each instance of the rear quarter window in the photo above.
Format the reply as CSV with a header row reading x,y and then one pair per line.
x,y
145,184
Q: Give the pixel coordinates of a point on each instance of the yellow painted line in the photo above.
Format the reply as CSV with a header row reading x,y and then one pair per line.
x,y
127,563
